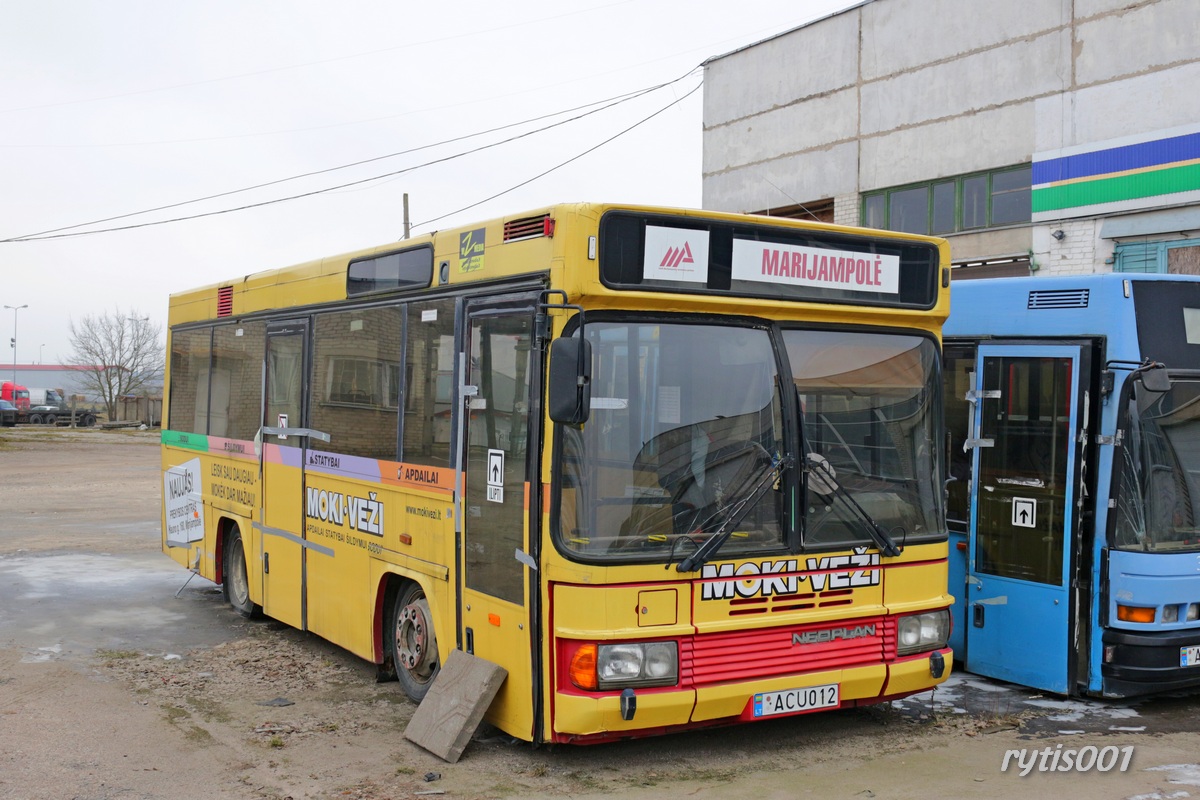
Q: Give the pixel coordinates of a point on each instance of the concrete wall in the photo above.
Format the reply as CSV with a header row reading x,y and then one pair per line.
x,y
892,92
938,87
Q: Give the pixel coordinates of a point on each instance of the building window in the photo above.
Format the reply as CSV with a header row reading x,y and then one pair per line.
x,y
950,205
1167,258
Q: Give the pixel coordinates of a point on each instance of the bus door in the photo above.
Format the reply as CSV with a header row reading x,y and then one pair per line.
x,y
958,375
498,554
1023,514
281,526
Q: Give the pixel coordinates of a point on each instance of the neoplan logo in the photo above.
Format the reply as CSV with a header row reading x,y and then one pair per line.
x,y
832,634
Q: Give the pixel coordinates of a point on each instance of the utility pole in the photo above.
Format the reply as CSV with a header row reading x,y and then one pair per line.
x,y
15,309
407,225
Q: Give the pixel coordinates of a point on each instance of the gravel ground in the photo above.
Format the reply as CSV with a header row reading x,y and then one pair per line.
x,y
130,709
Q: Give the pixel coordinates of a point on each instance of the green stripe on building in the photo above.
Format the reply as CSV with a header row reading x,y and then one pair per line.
x,y
1111,190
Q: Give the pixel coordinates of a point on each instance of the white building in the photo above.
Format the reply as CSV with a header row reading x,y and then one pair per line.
x,y
1053,136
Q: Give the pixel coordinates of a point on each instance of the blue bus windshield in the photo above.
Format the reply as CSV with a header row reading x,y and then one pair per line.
x,y
1158,470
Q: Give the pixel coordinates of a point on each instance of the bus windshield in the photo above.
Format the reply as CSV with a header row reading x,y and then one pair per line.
x,y
683,418
687,422
868,402
1159,469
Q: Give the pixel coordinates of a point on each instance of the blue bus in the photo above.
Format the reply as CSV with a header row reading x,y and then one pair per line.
x,y
1073,481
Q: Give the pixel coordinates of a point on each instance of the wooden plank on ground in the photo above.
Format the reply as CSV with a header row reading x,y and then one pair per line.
x,y
448,716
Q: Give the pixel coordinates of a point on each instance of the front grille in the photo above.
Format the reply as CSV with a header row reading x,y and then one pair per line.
x,y
714,658
780,603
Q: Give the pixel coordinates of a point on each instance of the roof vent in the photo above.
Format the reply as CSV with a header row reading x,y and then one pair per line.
x,y
225,301
1058,298
528,228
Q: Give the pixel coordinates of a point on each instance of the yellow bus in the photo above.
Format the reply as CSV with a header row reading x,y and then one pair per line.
x,y
668,468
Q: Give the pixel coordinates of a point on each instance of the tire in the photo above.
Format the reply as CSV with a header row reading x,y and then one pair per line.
x,y
86,421
414,643
35,419
235,584
50,419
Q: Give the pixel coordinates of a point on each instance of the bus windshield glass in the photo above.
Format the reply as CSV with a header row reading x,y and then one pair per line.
x,y
1158,469
685,418
687,422
869,406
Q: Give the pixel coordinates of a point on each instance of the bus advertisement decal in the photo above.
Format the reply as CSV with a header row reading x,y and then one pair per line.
x,y
363,514
783,576
419,476
675,254
470,250
344,466
182,503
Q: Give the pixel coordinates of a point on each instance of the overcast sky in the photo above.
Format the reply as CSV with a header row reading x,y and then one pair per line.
x,y
112,108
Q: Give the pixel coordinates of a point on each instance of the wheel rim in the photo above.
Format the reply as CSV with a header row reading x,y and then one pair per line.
x,y
239,586
416,649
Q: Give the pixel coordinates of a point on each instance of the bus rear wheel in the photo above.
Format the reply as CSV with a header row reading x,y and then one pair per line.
x,y
414,644
235,583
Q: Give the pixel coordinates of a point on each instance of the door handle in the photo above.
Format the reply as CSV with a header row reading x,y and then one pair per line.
x,y
977,615
308,432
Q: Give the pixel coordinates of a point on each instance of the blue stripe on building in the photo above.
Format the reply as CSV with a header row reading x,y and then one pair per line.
x,y
1160,152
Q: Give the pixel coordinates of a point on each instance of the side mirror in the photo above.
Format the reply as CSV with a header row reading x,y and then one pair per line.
x,y
569,397
1156,379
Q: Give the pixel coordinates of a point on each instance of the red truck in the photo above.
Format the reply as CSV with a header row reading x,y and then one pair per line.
x,y
52,408
16,394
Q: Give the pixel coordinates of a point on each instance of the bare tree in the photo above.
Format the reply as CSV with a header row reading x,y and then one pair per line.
x,y
117,354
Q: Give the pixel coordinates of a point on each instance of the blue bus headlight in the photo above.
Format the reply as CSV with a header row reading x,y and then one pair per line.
x,y
920,632
637,664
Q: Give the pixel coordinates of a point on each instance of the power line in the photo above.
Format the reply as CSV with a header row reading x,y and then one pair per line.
x,y
604,105
57,234
564,163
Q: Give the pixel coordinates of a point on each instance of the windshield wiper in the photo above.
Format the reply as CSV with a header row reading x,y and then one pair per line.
x,y
733,514
823,480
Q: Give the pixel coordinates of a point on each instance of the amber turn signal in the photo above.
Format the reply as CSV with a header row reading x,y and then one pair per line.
x,y
583,667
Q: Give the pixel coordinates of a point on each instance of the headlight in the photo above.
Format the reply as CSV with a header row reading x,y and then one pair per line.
x,y
634,664
921,632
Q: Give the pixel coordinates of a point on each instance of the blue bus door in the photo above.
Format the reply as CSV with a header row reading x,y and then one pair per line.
x,y
1023,501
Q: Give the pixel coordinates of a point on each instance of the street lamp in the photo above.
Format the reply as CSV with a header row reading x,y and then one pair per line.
x,y
15,309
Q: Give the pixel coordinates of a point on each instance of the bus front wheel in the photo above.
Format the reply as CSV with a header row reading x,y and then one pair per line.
x,y
235,581
414,644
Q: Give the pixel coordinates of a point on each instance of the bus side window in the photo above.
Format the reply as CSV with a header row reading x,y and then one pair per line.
x,y
428,384
236,403
190,351
356,379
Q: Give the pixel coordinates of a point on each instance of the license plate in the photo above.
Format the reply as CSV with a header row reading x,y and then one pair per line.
x,y
791,701
1189,656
